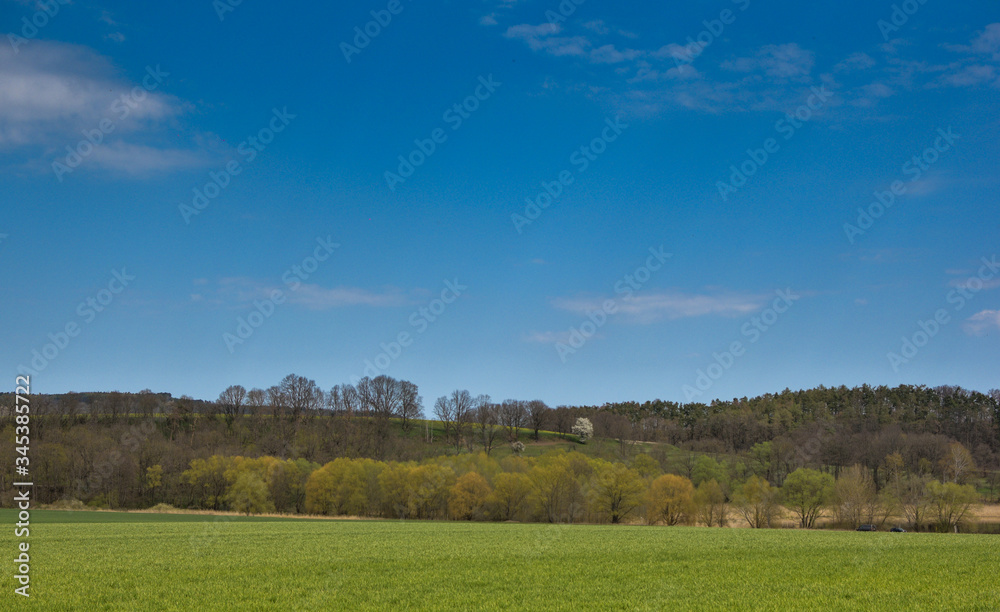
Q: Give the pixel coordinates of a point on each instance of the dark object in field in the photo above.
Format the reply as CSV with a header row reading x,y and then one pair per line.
x,y
867,528
897,530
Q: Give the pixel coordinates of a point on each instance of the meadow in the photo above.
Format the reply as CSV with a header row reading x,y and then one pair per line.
x,y
142,561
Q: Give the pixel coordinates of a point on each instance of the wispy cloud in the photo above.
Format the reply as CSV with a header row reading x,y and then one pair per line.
x,y
772,77
781,62
548,337
982,323
648,308
237,291
974,283
141,160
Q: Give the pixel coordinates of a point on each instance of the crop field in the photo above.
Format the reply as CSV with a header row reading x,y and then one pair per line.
x,y
119,561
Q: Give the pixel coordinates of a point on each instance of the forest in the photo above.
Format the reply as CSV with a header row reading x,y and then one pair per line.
x,y
866,454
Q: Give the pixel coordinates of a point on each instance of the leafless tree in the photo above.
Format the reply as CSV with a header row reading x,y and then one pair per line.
x,y
564,420
538,414
69,405
301,394
148,403
444,411
277,401
231,401
386,397
411,404
512,417
487,422
463,405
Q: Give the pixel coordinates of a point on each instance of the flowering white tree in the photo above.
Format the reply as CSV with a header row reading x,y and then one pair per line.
x,y
583,428
517,447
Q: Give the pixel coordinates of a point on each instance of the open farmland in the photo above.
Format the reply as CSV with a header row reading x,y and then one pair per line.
x,y
118,561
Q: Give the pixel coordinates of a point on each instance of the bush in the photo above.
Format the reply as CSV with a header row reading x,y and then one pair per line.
x,y
163,508
67,504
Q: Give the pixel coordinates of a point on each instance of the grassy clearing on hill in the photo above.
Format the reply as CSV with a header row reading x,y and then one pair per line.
x,y
109,561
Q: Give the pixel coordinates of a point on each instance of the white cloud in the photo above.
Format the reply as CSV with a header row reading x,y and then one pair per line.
x,y
488,20
52,92
976,74
647,308
974,283
548,337
854,62
53,88
140,160
988,41
786,61
542,38
242,290
608,54
982,322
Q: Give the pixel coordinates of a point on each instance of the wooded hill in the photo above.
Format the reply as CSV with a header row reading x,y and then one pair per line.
x,y
101,447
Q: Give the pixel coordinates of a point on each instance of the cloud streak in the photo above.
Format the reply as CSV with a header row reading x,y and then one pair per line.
x,y
671,305
241,290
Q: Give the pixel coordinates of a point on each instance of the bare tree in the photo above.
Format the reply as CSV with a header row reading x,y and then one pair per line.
x,y
255,404
444,411
69,405
487,422
957,463
231,400
387,397
301,394
411,404
112,405
512,417
463,405
564,420
351,401
538,414
277,400
148,403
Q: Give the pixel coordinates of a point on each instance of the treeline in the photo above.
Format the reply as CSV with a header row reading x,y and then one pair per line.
x,y
562,487
99,447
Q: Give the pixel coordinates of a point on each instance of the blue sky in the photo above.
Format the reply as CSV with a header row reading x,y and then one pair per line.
x,y
573,202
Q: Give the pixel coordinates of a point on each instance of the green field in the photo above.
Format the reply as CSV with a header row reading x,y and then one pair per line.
x,y
118,561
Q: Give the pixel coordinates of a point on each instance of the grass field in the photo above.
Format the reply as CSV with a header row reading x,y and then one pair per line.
x,y
119,561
